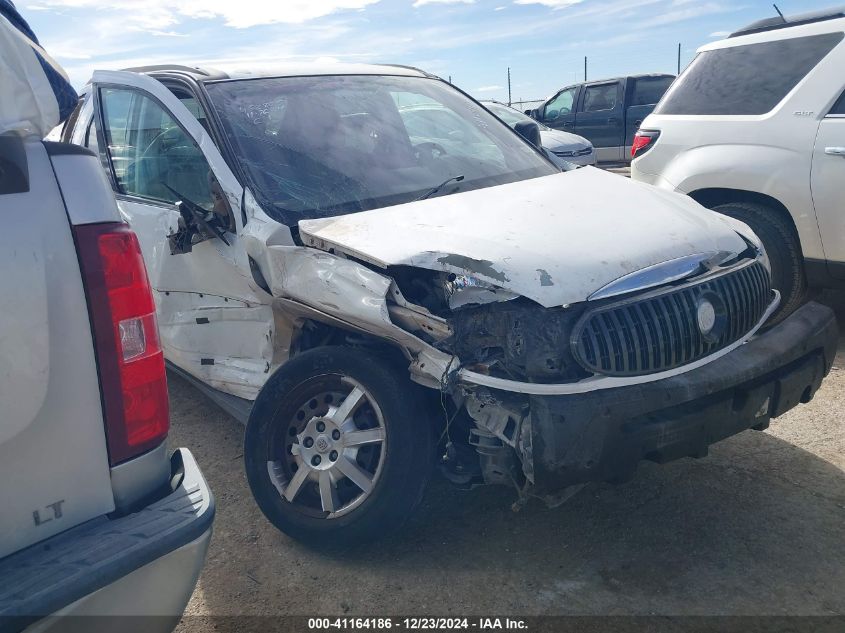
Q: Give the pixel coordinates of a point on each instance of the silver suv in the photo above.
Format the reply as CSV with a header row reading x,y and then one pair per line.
x,y
98,517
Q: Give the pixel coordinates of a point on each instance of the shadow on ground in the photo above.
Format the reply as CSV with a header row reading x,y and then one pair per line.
x,y
755,528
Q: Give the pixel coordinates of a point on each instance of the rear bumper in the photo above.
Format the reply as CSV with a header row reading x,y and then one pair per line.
x,y
602,435
146,563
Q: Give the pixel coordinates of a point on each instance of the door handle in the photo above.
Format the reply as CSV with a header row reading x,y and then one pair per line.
x,y
835,151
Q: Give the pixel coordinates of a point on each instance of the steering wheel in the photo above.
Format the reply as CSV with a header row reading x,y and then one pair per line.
x,y
154,144
432,147
292,186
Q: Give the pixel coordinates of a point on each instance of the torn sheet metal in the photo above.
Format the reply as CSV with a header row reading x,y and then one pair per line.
x,y
555,239
348,294
226,343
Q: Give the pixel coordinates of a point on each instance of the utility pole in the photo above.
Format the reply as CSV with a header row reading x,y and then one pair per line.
x,y
509,86
679,58
585,68
450,78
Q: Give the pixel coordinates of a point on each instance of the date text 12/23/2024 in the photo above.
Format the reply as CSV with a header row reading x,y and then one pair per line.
x,y
417,624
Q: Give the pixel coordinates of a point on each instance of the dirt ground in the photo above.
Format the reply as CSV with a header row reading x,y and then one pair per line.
x,y
755,528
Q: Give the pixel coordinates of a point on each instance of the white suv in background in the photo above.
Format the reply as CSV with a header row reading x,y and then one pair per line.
x,y
755,129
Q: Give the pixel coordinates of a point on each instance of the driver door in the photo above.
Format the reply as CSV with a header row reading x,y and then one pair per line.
x,y
215,322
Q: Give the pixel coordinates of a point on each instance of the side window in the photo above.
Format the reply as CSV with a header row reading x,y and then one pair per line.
x,y
603,97
561,105
748,79
91,138
151,155
839,106
648,90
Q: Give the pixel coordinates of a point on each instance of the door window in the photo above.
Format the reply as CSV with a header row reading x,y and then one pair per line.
x,y
151,155
560,106
599,98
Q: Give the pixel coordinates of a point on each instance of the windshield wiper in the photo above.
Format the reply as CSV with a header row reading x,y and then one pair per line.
x,y
434,190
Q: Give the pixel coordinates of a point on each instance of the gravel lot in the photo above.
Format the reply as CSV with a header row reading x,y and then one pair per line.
x,y
755,528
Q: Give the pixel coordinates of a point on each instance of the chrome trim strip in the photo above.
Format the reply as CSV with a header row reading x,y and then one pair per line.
x,y
661,273
594,383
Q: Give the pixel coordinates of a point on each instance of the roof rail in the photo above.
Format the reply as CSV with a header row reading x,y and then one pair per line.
x,y
406,67
779,22
194,71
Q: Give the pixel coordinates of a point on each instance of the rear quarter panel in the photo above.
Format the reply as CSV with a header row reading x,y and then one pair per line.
x,y
53,457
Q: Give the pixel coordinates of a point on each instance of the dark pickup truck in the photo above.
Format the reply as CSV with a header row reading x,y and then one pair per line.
x,y
606,112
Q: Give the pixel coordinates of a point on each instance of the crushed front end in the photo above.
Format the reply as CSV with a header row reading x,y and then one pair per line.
x,y
549,398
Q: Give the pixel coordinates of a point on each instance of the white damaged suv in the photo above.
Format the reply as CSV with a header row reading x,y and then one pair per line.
x,y
365,292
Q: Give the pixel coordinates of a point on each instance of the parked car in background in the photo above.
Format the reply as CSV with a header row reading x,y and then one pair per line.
x,y
755,129
571,147
365,264
98,517
607,113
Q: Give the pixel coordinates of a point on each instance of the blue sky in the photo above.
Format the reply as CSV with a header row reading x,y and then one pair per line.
x,y
473,41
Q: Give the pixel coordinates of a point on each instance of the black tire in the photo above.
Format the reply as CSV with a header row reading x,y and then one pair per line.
x,y
407,447
783,248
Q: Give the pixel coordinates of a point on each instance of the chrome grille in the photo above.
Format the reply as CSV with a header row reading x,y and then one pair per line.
x,y
574,153
661,332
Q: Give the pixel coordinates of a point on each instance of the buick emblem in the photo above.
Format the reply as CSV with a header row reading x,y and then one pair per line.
x,y
711,316
706,316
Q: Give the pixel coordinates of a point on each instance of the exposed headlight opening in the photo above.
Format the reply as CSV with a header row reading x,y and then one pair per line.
x,y
462,290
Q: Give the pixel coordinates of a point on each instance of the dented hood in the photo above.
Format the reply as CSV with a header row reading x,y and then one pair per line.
x,y
555,239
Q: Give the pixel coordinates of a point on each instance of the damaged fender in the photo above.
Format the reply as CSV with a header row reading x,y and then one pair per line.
x,y
342,292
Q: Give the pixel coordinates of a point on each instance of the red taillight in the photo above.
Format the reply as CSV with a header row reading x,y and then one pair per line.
x,y
643,141
129,356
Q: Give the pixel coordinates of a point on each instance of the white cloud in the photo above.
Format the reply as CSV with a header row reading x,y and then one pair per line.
x,y
489,88
720,34
501,8
682,14
555,4
419,3
159,14
123,33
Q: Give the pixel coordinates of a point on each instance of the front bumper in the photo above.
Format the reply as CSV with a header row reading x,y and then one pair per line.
x,y
581,161
602,435
146,563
